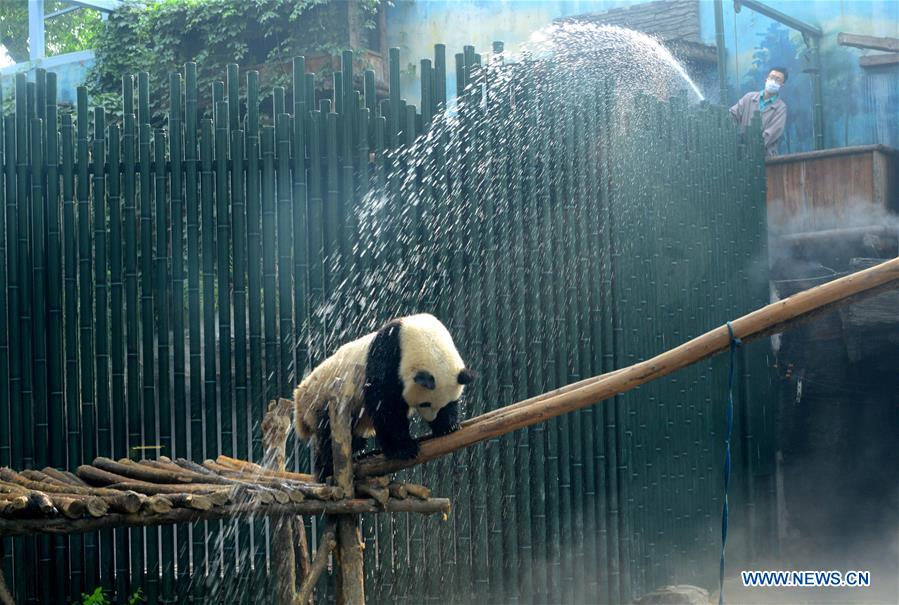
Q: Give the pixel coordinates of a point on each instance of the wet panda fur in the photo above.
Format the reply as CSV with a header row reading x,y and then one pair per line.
x,y
410,365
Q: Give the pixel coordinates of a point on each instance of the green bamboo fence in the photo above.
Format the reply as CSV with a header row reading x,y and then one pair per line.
x,y
160,285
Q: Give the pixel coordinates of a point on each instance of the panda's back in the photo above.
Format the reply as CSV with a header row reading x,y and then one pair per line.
x,y
345,367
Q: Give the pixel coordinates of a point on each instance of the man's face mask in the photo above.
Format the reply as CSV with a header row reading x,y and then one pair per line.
x,y
772,86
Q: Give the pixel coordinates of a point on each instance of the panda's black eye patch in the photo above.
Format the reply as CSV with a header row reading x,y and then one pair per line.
x,y
424,405
425,379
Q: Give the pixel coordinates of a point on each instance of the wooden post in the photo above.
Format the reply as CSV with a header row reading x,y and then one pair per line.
x,y
349,541
327,545
275,429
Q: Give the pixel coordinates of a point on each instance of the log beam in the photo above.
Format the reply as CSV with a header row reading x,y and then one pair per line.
x,y
767,320
873,42
59,525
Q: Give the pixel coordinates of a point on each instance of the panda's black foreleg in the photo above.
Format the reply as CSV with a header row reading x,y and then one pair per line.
x,y
384,402
324,460
392,433
447,420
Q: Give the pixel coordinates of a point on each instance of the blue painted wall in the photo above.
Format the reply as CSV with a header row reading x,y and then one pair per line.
x,y
860,105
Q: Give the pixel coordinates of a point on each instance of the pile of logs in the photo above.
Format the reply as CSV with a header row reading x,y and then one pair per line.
x,y
110,493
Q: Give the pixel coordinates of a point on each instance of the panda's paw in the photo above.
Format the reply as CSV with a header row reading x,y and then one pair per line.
x,y
406,450
445,429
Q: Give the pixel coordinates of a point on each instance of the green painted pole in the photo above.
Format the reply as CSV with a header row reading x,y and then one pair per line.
x,y
117,340
210,401
300,208
132,322
180,416
101,323
163,347
86,321
195,338
254,298
5,434
38,241
269,279
24,109
539,376
239,217
39,326
285,259
224,543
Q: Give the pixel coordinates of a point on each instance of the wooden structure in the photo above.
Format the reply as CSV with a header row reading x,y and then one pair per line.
x,y
820,189
125,493
891,45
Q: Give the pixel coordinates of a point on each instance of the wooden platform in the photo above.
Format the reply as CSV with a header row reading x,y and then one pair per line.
x,y
122,493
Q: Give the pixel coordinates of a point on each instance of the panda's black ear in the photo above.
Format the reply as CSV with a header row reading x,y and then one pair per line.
x,y
466,376
425,379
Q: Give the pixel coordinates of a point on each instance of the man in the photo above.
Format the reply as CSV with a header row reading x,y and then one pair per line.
x,y
774,110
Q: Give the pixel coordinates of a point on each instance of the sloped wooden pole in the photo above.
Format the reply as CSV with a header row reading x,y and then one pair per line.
x,y
767,320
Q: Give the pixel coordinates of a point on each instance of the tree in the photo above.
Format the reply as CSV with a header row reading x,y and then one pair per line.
x,y
70,32
160,37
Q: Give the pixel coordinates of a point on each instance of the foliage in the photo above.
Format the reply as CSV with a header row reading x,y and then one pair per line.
x,y
98,597
160,37
75,30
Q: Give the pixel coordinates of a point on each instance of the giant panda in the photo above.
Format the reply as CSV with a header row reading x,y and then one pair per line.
x,y
409,366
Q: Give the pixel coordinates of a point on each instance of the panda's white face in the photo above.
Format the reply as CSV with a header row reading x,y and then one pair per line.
x,y
426,401
430,366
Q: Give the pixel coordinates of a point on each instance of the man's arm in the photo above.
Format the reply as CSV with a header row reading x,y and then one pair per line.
x,y
737,110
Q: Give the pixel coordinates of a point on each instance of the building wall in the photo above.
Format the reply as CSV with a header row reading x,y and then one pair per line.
x,y
860,106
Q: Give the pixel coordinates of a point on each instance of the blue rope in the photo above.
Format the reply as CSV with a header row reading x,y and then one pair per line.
x,y
729,414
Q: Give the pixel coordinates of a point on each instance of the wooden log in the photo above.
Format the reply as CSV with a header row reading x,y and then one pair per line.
x,y
351,585
419,491
242,491
249,467
398,491
133,470
274,478
37,502
281,495
120,502
75,506
764,321
280,489
69,499
275,427
301,550
61,526
12,503
189,473
195,501
327,545
879,60
873,42
381,494
71,508
155,505
219,493
63,476
6,597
